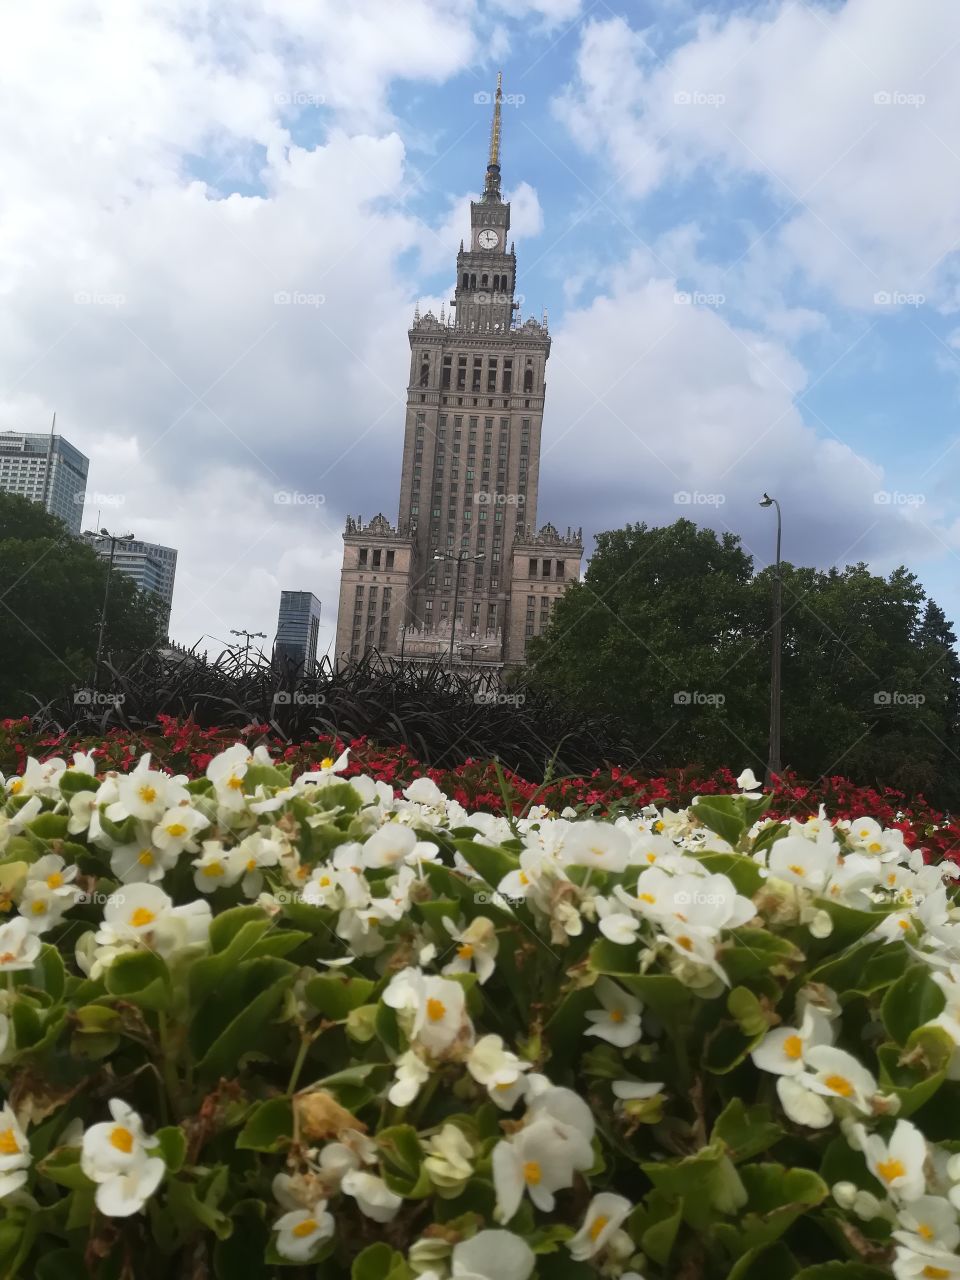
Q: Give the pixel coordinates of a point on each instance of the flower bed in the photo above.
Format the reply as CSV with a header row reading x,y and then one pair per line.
x,y
252,1022
181,746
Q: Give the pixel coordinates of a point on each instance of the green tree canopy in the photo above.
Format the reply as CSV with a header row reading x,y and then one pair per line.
x,y
51,592
670,631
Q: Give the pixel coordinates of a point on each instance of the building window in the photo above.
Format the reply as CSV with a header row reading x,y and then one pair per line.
x,y
376,562
390,556
560,568
533,568
446,373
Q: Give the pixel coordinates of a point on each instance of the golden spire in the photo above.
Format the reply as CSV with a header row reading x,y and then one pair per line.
x,y
495,127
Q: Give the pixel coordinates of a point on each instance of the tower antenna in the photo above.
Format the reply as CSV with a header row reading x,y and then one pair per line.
x,y
491,187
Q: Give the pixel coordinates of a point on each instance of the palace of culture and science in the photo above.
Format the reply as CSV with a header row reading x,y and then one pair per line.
x,y
464,571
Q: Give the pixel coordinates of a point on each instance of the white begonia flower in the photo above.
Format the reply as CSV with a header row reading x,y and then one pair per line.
x,y
432,1010
630,1090
801,1104
15,1154
604,1215
898,1163
619,926
146,794
144,915
389,846
19,947
595,844
747,782
492,1255
226,771
326,774
40,908
619,1021
39,779
411,1074
177,830
477,949
449,1161
114,1155
424,791
908,1265
56,877
867,834
372,1194
834,1073
802,862
140,861
217,867
498,1070
301,1232
255,852
539,1160
695,950
928,1225
782,1050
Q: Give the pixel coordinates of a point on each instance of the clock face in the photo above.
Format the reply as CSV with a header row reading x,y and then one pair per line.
x,y
488,238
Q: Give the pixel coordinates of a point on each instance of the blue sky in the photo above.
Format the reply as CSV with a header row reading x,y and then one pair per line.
x,y
714,201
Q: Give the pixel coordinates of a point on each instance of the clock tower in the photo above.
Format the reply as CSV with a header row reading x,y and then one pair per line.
x,y
464,572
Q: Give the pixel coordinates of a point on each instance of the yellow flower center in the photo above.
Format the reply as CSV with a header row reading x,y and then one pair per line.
x,y
925,1231
38,906
251,864
890,1169
904,924
597,1226
796,869
935,1273
616,1015
9,1146
324,882
147,794
658,825
524,878
651,857
176,829
685,942
55,880
892,879
532,1173
145,858
436,1009
327,762
16,786
874,846
122,1139
141,917
793,1047
235,783
840,1085
213,869
465,951
8,957
305,1228
647,897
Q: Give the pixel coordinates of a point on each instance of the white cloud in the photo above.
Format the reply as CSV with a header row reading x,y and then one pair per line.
x,y
843,113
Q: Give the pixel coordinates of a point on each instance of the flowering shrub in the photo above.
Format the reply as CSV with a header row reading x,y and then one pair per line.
x,y
253,1022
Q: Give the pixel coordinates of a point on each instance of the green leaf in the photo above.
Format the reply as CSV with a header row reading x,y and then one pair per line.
x,y
725,1047
49,826
233,1020
62,1166
765,1263
746,1130
72,782
842,1271
60,1264
777,1196
723,814
173,1147
269,1126
749,952
748,1011
380,1262
743,871
335,996
912,1001
225,927
140,977
489,861
241,1255
189,1211
659,1239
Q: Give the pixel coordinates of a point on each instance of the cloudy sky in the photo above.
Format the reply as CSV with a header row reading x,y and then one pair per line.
x,y
742,217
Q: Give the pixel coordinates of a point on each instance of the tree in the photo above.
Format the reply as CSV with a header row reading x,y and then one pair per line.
x,y
51,592
670,630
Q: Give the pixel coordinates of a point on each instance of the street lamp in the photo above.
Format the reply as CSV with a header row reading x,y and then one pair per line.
x,y
248,635
462,557
104,535
773,758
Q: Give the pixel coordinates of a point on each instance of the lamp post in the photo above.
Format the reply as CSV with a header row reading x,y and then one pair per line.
x,y
774,766
248,636
104,535
461,558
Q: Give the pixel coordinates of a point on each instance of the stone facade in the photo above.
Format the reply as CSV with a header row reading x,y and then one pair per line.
x,y
469,476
